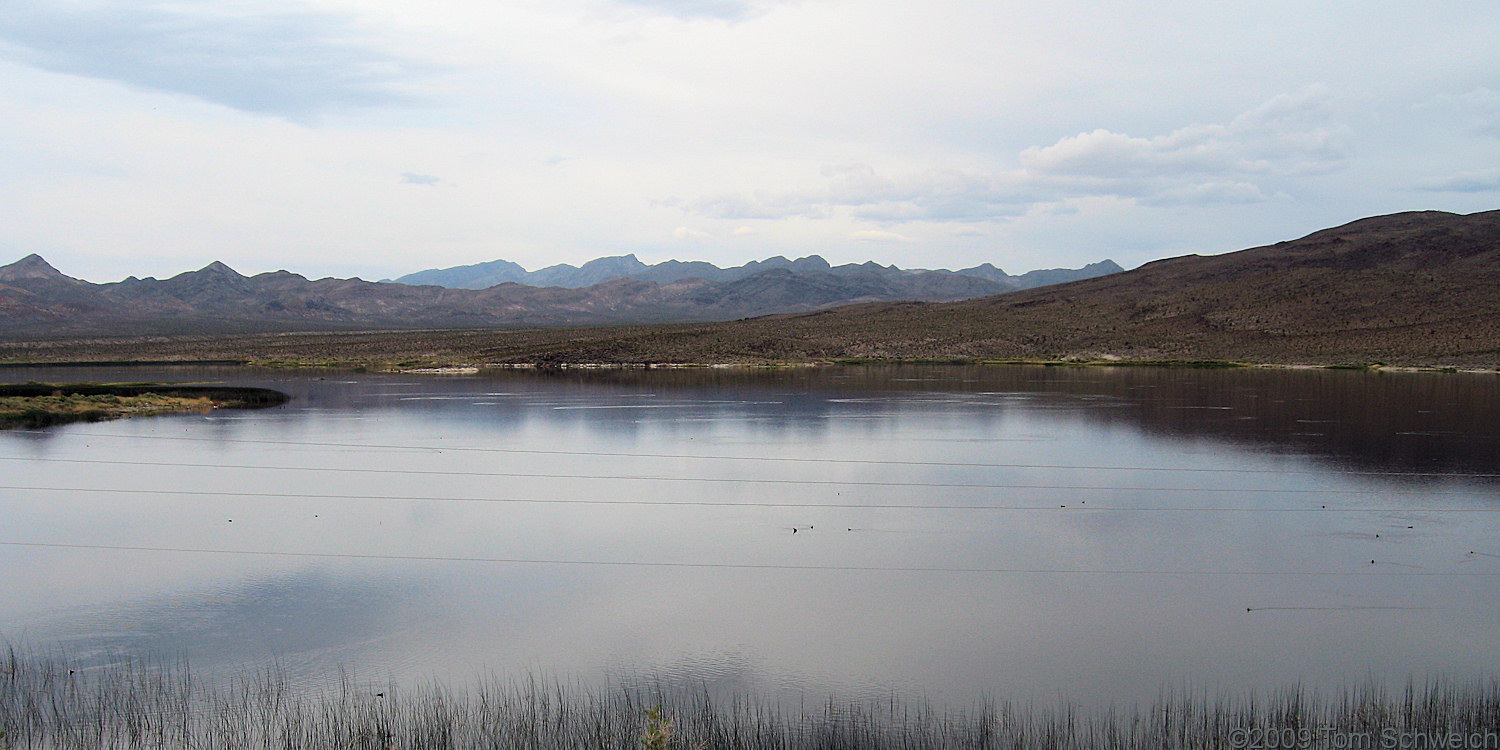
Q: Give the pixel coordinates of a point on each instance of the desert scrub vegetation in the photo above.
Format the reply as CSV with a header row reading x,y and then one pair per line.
x,y
145,704
40,411
30,405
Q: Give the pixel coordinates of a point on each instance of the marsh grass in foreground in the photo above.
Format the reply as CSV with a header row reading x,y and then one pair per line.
x,y
43,704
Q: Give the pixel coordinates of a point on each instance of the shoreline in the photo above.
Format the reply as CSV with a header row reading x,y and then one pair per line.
x,y
448,368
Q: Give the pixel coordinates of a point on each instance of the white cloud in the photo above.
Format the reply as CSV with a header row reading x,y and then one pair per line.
x,y
135,131
963,231
1193,165
1207,193
1479,99
280,57
724,10
694,235
1215,164
927,195
413,178
1291,133
761,205
1479,108
1481,181
878,235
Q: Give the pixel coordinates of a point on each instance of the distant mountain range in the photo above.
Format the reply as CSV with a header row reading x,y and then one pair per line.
x,y
1417,288
36,300
600,270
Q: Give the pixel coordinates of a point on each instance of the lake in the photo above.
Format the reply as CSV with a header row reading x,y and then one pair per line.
x,y
1092,535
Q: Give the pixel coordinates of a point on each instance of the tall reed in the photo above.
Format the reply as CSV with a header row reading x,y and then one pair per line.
x,y
158,704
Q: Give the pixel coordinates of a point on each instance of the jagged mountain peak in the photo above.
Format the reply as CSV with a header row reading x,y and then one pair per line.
x,y
613,262
32,266
485,275
219,268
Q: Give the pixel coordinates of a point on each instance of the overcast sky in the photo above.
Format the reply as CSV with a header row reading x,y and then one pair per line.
x,y
379,137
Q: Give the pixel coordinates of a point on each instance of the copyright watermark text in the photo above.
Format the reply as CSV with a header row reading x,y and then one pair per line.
x,y
1330,738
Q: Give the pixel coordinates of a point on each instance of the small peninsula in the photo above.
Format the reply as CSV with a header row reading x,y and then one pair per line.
x,y
31,405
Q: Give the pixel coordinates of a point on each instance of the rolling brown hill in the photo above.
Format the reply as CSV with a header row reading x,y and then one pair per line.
x,y
1420,288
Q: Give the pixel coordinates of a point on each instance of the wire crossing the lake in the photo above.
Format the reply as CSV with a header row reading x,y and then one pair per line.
x,y
757,566
740,504
723,480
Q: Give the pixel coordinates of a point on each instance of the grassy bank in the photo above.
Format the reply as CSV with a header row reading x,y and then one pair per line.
x,y
30,405
43,704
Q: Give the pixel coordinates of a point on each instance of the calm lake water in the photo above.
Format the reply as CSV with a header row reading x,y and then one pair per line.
x,y
942,533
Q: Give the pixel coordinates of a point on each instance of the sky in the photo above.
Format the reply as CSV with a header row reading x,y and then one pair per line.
x,y
375,138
